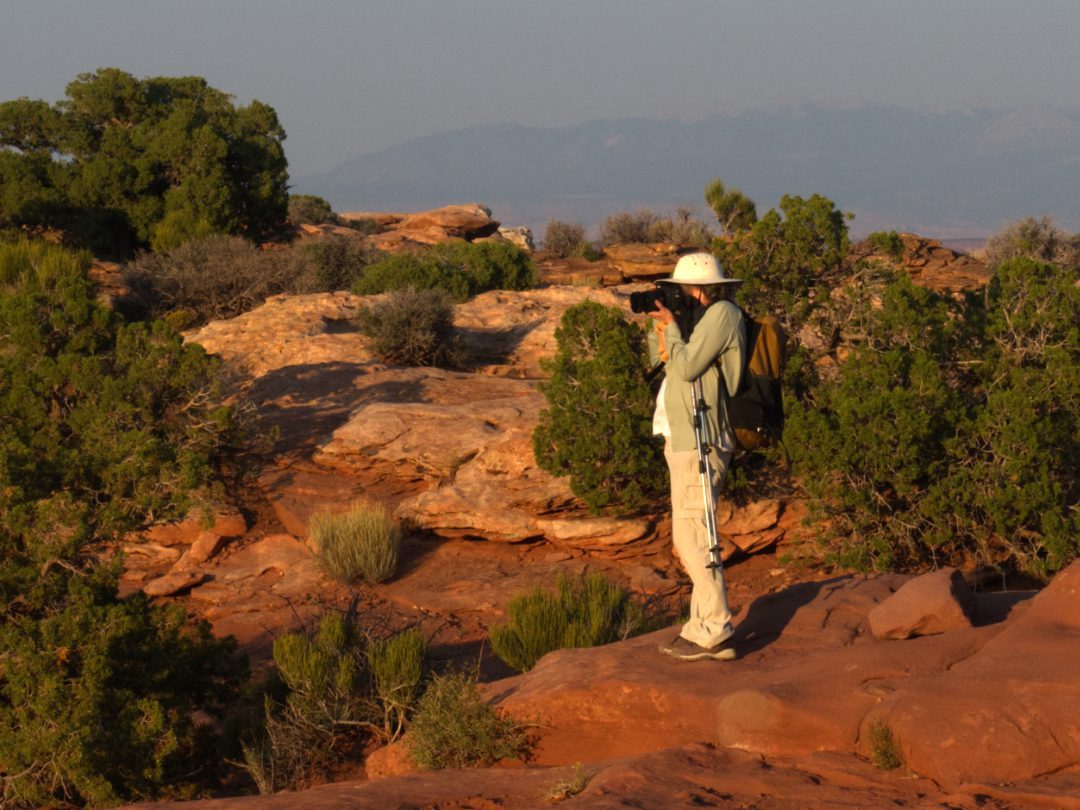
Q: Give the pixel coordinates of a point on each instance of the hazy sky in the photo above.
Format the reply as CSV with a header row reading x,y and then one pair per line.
x,y
353,77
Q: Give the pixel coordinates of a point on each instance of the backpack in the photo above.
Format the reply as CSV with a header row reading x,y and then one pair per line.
x,y
756,411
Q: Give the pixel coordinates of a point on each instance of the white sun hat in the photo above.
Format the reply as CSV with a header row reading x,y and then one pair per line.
x,y
699,268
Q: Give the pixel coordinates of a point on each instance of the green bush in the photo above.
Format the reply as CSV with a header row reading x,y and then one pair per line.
x,y
887,242
310,209
454,728
360,544
330,264
563,239
98,696
110,420
105,426
788,259
324,710
597,427
950,432
332,693
397,666
461,268
734,210
584,612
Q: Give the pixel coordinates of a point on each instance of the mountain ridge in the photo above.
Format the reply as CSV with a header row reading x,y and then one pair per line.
x,y
957,173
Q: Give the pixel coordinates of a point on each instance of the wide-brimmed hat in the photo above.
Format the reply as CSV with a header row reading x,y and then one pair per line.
x,y
701,269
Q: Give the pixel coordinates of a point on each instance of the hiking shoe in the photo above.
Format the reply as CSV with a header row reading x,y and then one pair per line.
x,y
683,650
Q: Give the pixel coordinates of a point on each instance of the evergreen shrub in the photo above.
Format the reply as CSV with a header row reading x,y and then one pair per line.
x,y
105,426
584,612
412,328
950,432
597,428
463,269
362,543
454,728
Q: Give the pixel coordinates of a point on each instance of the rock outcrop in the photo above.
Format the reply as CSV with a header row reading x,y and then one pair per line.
x,y
400,231
930,264
924,606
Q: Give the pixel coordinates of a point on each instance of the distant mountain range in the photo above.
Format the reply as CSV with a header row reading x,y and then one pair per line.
x,y
954,174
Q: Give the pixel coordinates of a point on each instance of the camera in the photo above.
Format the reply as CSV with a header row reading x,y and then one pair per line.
x,y
670,295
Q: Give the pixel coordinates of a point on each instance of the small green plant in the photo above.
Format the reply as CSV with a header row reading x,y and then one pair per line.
x,y
887,242
570,785
584,612
597,428
360,544
884,750
412,328
454,728
397,666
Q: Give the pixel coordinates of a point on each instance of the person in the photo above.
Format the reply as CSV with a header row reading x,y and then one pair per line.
x,y
717,342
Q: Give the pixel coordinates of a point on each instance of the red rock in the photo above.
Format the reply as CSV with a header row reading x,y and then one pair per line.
x,y
225,522
390,760
206,545
173,583
928,604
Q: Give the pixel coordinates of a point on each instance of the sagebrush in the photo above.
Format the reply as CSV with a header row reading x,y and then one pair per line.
x,y
583,612
361,544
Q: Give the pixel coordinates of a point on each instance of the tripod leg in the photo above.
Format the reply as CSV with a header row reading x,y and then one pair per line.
x,y
705,470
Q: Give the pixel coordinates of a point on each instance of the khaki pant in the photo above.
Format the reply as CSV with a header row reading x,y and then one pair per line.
x,y
710,618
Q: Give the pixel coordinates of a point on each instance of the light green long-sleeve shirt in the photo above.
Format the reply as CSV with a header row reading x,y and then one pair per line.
x,y
720,334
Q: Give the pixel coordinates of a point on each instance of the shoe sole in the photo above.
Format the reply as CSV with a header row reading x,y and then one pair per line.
x,y
723,655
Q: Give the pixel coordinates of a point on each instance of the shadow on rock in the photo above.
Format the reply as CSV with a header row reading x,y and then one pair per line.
x,y
767,616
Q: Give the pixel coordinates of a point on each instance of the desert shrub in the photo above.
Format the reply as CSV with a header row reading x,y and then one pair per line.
x,y
597,428
1037,239
109,420
887,242
627,227
332,692
98,695
454,728
563,239
682,229
789,258
584,612
360,544
949,433
461,268
884,750
397,667
330,264
324,707
215,277
412,328
310,209
105,425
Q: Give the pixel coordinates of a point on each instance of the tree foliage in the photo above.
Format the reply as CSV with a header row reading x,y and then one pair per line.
x,y
734,210
104,426
463,269
154,161
950,433
597,428
787,257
